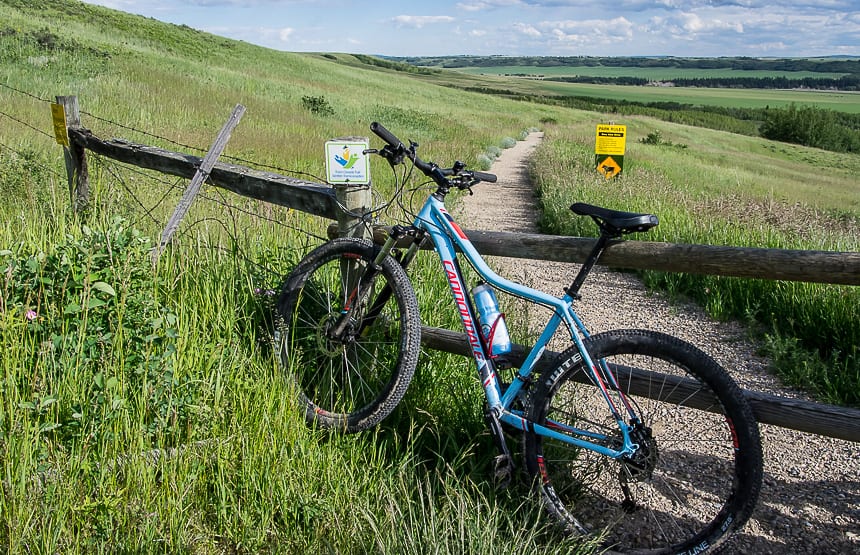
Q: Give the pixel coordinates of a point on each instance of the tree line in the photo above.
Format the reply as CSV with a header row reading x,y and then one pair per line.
x,y
844,83
803,125
817,65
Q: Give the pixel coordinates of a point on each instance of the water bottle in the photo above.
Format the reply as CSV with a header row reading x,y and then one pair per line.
x,y
493,326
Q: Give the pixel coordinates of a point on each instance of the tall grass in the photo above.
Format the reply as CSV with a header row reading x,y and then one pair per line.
x,y
141,408
175,430
812,331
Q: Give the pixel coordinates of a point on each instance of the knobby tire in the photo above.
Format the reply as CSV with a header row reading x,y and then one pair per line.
x,y
351,382
699,477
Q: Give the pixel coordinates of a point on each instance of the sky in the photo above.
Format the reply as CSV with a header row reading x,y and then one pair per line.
x,y
756,28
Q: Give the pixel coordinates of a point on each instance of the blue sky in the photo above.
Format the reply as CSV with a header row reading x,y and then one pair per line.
x,y
524,27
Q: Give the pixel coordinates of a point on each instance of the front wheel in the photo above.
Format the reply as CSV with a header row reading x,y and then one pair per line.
x,y
696,476
349,333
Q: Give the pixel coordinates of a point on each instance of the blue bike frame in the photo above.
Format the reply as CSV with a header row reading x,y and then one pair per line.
x,y
448,237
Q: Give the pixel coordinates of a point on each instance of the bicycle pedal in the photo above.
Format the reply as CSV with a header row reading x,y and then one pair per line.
x,y
503,471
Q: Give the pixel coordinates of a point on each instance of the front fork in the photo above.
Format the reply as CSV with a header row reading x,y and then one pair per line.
x,y
359,291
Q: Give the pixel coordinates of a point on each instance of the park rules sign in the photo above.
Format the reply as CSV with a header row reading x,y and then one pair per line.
x,y
609,148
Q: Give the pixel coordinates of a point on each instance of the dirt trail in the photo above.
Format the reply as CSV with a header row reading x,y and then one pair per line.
x,y
810,500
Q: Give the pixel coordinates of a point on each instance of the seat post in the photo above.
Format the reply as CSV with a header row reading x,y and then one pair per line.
x,y
590,261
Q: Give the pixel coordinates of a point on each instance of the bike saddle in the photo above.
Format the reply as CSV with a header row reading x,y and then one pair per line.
x,y
614,221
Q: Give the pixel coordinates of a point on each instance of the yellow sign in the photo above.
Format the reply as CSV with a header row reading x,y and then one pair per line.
x,y
608,166
609,149
611,139
58,114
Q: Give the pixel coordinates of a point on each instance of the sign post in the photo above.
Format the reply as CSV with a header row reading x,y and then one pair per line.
x,y
66,113
609,149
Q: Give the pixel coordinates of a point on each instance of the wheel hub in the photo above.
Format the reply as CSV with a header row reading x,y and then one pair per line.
x,y
327,342
640,464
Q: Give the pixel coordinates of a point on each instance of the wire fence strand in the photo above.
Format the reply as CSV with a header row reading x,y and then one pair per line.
x,y
228,211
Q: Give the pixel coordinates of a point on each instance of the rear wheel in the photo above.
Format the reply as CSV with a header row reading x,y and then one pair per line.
x,y
349,333
696,476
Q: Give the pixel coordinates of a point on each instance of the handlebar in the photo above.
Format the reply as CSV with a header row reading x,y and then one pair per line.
x,y
386,135
396,150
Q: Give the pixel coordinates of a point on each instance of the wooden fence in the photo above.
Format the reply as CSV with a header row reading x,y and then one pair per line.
x,y
322,200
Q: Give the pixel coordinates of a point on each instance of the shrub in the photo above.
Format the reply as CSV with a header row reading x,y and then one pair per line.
x,y
810,126
317,105
104,344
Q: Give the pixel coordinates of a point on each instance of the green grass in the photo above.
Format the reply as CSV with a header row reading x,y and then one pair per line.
x,y
729,98
119,361
811,330
839,101
122,359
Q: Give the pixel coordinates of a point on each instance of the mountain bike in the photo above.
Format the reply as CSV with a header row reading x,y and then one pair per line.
x,y
641,435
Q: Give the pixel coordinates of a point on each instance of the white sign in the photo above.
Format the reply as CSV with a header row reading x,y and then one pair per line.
x,y
345,161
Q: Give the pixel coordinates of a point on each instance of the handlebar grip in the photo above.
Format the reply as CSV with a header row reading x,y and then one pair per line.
x,y
489,177
385,134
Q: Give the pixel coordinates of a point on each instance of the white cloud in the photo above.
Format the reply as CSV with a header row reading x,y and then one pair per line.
x,y
473,6
419,21
526,29
692,23
616,27
481,5
523,27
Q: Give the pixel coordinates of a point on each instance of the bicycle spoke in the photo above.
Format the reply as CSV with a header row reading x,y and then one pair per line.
x,y
684,485
349,374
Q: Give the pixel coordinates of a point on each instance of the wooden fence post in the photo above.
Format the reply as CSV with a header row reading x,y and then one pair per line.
x,y
75,157
355,202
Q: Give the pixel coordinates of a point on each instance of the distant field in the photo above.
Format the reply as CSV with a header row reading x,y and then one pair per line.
x,y
652,73
839,101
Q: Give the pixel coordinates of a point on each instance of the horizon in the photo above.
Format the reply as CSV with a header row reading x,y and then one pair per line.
x,y
519,28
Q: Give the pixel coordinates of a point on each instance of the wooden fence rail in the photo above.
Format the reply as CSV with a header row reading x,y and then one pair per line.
x,y
841,268
305,196
796,414
320,200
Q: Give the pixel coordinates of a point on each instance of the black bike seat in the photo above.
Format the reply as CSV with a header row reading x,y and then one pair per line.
x,y
616,221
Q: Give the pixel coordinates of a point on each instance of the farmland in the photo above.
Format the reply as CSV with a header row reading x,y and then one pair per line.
x,y
650,73
142,407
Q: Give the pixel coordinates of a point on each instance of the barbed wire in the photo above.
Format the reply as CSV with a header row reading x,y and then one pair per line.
x,y
111,168
25,124
174,187
32,161
143,132
117,171
25,93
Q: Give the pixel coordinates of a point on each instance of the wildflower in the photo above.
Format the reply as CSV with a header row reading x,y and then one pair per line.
x,y
31,315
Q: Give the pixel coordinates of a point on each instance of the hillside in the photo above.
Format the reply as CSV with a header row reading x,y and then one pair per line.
x,y
145,74
141,407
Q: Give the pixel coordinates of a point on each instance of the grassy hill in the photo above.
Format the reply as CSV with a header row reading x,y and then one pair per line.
x,y
140,407
142,410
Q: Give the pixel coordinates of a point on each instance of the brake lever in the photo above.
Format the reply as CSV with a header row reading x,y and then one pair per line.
x,y
394,157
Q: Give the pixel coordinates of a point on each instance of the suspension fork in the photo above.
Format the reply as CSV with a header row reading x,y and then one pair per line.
x,y
416,237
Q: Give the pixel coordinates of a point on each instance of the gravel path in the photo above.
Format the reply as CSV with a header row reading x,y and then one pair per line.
x,y
810,500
